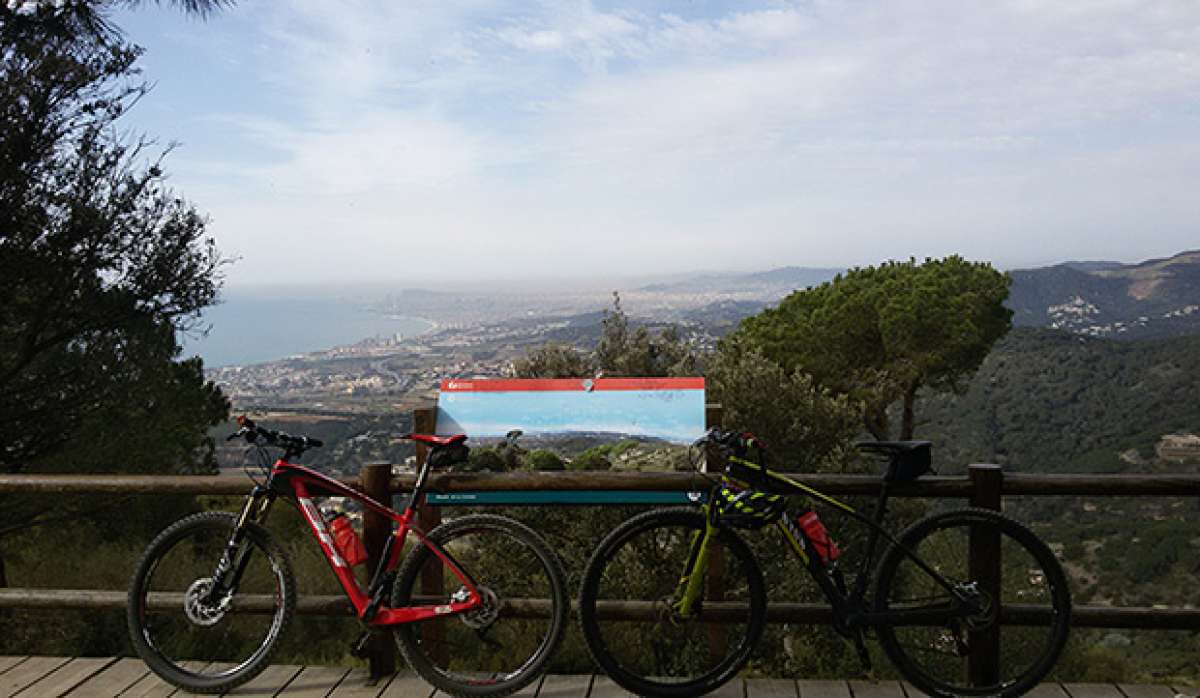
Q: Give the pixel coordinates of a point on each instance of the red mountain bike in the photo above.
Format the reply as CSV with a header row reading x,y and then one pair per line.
x,y
214,591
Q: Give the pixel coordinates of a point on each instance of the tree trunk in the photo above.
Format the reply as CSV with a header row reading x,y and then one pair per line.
x,y
906,425
876,422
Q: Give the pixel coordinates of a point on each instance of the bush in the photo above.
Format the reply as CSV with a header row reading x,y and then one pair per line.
x,y
805,427
542,459
595,458
484,460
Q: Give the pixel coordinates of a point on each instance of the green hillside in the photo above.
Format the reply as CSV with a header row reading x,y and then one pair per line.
x,y
1047,401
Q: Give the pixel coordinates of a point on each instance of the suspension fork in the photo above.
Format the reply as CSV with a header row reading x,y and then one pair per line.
x,y
236,557
691,583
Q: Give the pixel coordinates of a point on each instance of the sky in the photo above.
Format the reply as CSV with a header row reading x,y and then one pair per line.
x,y
443,141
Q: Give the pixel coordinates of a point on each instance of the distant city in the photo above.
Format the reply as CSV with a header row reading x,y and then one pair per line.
x,y
388,351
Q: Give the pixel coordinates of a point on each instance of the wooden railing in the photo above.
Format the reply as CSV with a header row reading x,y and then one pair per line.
x,y
984,485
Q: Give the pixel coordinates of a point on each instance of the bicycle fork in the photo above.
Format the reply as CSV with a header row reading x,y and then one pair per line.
x,y
236,557
691,583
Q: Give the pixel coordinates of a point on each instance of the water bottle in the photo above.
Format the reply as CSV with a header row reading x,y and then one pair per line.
x,y
818,537
347,542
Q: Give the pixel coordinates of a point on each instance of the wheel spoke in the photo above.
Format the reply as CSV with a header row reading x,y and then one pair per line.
x,y
637,569
486,644
935,657
195,643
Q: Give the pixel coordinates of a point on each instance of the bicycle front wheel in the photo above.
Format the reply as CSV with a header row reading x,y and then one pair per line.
x,y
503,645
627,606
1023,594
194,636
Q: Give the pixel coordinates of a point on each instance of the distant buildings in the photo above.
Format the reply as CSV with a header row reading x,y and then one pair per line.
x,y
1179,447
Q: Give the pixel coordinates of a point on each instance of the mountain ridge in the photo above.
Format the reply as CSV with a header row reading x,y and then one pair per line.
x,y
1154,298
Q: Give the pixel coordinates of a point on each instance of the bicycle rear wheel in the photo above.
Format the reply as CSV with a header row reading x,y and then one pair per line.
x,y
1027,609
193,638
502,646
625,606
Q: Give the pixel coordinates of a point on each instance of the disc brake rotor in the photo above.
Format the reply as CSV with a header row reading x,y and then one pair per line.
x,y
487,612
198,607
988,611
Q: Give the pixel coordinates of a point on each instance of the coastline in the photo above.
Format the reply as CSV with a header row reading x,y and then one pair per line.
x,y
255,331
431,327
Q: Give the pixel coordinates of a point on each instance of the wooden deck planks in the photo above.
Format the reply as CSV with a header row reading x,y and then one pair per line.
x,y
823,689
876,689
604,687
316,681
771,688
1146,691
102,677
358,684
1047,690
407,686
530,691
1092,690
273,679
27,673
117,677
733,689
67,676
150,686
566,686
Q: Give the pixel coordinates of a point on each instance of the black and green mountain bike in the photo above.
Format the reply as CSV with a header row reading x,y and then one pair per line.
x,y
940,613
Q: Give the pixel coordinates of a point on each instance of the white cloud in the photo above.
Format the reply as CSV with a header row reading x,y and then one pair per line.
x,y
530,137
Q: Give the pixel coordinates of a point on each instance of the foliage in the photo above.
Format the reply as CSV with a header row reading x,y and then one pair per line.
x,y
102,263
1048,401
632,351
595,458
483,460
1159,546
805,427
543,459
81,20
879,334
554,360
623,350
102,266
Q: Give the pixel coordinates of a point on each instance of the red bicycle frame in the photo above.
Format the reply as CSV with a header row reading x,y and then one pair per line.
x,y
301,483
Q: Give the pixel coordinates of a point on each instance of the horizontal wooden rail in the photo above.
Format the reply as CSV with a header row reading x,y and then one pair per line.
x,y
103,599
1014,484
129,484
726,612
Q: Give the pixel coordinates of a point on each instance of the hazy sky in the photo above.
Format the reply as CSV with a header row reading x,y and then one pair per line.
x,y
404,141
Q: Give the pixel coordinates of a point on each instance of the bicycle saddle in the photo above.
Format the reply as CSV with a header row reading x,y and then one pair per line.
x,y
907,460
891,448
433,440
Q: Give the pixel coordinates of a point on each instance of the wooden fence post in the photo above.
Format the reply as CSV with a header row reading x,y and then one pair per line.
x,y
425,422
376,483
718,637
984,563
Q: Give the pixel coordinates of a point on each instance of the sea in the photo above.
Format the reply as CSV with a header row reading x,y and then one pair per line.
x,y
249,327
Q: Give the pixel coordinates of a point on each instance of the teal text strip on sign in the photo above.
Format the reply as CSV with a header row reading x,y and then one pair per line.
x,y
598,497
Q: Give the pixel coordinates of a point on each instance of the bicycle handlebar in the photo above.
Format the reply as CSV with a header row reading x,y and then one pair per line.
x,y
733,441
252,433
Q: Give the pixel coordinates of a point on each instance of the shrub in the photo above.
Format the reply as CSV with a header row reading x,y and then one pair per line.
x,y
542,459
